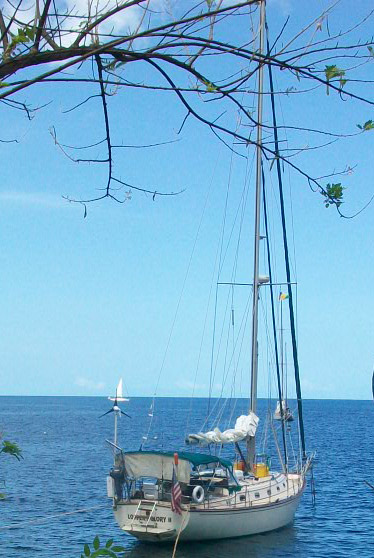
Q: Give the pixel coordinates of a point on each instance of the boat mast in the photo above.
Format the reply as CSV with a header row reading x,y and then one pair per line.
x,y
251,448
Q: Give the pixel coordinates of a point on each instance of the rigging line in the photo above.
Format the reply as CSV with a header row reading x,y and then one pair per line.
x,y
292,446
218,276
241,331
206,316
48,517
242,204
223,253
244,196
294,261
275,337
238,341
179,301
212,378
233,382
232,290
285,133
226,369
223,257
288,274
277,446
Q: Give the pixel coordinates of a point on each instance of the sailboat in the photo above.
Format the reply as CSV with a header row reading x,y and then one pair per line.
x,y
283,413
193,495
282,410
119,393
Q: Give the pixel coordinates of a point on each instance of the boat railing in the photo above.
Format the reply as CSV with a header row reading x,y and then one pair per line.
x,y
252,496
217,494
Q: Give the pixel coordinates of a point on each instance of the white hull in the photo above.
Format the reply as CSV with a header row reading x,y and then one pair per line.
x,y
223,518
240,523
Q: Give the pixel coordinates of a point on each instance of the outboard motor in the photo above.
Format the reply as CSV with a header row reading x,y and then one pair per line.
x,y
118,477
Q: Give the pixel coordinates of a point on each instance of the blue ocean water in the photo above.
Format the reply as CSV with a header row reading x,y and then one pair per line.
x,y
66,461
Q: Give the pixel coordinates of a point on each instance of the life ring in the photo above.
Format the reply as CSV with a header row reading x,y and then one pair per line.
x,y
198,494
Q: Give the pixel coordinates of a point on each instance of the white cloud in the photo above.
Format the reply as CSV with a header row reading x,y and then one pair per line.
x,y
121,23
40,199
285,6
189,386
88,384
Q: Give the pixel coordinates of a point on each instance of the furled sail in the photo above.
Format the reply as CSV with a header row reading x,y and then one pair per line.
x,y
245,426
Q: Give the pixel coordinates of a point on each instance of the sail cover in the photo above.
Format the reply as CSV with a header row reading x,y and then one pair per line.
x,y
245,426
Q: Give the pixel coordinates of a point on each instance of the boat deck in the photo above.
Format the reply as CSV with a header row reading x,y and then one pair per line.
x,y
254,492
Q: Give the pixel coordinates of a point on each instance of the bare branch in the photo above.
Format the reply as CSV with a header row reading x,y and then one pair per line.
x,y
40,24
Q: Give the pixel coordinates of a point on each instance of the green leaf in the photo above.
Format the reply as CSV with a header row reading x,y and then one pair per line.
x,y
109,543
333,194
332,72
118,549
30,33
103,552
369,125
96,542
4,84
371,50
87,550
210,87
11,449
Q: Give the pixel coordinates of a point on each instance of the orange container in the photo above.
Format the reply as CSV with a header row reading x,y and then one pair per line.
x,y
261,470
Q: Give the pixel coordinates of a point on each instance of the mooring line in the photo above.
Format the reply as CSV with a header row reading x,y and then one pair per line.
x,y
48,517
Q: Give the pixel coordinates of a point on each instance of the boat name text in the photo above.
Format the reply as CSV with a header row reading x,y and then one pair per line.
x,y
157,519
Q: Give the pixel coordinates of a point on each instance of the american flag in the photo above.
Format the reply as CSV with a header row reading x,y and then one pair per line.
x,y
176,493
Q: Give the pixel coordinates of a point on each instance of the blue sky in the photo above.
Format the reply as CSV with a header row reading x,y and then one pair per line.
x,y
85,301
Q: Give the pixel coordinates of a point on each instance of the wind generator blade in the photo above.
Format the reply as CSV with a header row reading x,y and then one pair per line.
x,y
126,415
107,413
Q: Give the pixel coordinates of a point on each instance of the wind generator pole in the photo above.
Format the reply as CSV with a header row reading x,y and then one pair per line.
x,y
115,427
116,410
251,445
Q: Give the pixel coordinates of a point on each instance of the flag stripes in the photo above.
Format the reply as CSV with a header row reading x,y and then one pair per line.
x,y
176,494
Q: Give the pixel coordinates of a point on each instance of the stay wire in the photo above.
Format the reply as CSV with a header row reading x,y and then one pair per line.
x,y
177,308
275,337
288,275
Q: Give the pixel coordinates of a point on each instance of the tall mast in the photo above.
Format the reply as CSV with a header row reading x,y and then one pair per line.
x,y
256,284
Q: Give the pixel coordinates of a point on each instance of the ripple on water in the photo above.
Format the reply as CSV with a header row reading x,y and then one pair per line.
x,y
66,462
